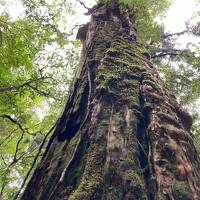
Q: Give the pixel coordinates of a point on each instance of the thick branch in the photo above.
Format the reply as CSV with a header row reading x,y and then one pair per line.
x,y
161,55
168,52
175,34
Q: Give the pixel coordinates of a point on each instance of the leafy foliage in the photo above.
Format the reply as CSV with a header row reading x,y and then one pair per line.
x,y
36,65
144,14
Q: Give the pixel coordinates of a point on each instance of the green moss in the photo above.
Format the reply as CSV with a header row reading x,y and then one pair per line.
x,y
152,83
147,75
120,71
119,74
112,52
134,185
91,183
181,191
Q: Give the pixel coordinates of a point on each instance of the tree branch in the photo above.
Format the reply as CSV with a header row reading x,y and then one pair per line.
x,y
83,4
65,35
42,93
34,161
15,159
175,34
7,137
168,52
4,90
161,55
14,121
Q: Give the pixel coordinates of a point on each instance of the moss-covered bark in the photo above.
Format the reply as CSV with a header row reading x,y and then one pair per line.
x,y
122,135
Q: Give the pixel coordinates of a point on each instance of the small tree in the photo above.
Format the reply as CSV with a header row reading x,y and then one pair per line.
x,y
122,134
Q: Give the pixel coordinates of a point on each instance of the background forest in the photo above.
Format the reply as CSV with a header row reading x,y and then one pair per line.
x,y
39,57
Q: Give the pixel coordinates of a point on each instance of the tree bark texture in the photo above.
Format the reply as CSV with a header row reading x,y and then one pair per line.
x,y
122,134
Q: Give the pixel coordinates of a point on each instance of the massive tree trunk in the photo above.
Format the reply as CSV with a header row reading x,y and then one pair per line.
x,y
122,134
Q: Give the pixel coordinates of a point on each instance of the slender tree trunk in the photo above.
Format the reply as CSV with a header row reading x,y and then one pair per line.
x,y
122,134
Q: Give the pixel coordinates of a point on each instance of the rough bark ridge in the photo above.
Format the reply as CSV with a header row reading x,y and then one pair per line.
x,y
122,135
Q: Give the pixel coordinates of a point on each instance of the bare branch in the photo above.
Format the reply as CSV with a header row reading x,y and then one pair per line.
x,y
175,34
83,4
34,161
7,137
13,121
65,35
168,35
42,93
4,162
24,130
161,55
17,87
171,52
15,159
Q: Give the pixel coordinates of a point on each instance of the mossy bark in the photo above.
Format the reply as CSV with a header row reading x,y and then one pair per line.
x,y
122,135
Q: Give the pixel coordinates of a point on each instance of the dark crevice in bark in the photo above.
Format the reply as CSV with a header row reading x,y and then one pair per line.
x,y
75,118
145,158
73,171
61,123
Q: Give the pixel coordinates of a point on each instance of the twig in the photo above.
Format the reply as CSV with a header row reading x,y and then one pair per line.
x,y
20,139
34,161
72,31
7,137
83,4
14,121
4,162
17,148
15,88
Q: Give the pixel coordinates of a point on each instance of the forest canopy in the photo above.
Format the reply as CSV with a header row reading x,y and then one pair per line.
x,y
39,59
